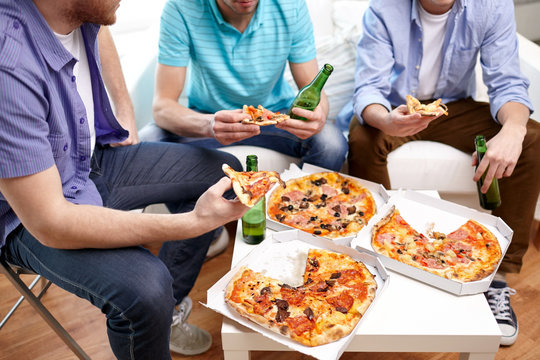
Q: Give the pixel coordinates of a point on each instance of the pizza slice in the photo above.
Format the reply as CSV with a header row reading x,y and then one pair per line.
x,y
262,117
251,186
435,108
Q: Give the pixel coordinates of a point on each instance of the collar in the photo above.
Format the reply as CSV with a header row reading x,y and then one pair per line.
x,y
458,7
49,46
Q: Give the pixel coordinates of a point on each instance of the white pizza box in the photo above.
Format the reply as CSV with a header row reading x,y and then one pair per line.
x,y
424,213
380,195
282,256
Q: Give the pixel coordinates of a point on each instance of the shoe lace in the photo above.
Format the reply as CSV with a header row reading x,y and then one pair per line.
x,y
180,322
499,302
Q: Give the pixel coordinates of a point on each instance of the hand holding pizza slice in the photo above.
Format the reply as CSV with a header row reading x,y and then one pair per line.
x,y
436,108
251,186
262,117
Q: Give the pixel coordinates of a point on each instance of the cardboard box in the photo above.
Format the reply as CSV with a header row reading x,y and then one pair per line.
x,y
380,196
423,213
283,256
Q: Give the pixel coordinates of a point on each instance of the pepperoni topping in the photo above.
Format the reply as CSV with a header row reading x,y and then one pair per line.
x,y
342,303
300,324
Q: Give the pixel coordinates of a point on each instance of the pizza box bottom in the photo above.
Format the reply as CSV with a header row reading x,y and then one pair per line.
x,y
422,211
283,256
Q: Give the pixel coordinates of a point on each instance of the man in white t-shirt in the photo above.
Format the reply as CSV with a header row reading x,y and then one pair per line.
x,y
428,49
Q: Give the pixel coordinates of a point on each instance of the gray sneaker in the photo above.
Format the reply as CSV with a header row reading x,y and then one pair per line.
x,y
187,339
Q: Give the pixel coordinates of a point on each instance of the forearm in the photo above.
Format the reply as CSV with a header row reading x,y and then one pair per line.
x,y
113,78
375,115
86,226
514,116
180,120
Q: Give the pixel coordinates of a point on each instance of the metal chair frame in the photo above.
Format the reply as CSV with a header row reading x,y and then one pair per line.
x,y
13,275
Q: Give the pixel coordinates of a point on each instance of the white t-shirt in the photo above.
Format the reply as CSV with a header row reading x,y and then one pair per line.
x,y
74,43
433,31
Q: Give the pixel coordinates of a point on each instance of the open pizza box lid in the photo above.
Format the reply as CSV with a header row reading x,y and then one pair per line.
x,y
423,212
283,256
380,195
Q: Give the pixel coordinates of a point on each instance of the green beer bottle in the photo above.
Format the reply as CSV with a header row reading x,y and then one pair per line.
x,y
310,95
254,220
491,199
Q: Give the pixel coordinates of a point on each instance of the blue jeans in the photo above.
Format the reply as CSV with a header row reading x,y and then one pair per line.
x,y
326,149
134,289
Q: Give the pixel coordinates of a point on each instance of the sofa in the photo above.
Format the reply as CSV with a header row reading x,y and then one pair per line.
x,y
337,27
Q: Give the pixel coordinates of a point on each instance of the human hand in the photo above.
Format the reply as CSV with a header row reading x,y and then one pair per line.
x,y
304,129
228,128
127,120
501,157
399,122
214,210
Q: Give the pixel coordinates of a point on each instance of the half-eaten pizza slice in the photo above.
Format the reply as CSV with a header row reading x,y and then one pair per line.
x,y
261,116
435,108
251,186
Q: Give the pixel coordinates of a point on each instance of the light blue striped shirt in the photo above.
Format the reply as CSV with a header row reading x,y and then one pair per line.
x,y
229,69
42,117
389,55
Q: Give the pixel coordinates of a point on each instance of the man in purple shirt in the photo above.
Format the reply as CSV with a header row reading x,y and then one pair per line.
x,y
428,49
62,185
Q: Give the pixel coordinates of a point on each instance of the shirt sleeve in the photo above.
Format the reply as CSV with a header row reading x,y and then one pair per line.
x,y
173,37
499,58
374,63
24,132
303,42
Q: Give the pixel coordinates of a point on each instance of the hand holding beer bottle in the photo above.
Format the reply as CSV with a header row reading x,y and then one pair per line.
x,y
310,95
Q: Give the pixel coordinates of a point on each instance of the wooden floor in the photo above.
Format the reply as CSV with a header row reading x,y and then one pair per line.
x,y
26,335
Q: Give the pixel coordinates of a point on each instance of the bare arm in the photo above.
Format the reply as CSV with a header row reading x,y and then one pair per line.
x,y
170,115
303,74
504,148
113,78
40,205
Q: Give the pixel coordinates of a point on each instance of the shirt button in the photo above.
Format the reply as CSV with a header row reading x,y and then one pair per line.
x,y
73,78
65,147
82,158
417,67
81,120
16,24
420,40
74,187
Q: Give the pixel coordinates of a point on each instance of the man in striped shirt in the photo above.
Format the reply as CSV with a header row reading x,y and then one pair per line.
x,y
237,52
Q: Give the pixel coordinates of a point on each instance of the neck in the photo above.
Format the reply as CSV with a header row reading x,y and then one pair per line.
x,y
53,12
239,21
437,7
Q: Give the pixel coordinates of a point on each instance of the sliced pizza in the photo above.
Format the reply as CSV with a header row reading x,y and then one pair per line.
x,y
251,186
434,108
262,117
467,254
336,292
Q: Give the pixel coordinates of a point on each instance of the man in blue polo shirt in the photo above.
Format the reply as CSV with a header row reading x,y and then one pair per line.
x,y
237,52
63,184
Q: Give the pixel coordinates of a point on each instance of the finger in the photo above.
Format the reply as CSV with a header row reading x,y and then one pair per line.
x,y
490,175
222,185
480,169
474,159
509,170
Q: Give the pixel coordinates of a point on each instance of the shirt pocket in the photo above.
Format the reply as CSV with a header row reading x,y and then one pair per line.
x,y
462,63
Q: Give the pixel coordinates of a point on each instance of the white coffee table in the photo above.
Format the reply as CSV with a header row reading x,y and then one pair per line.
x,y
409,316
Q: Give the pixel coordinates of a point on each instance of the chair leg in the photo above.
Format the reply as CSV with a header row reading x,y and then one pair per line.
x,y
45,314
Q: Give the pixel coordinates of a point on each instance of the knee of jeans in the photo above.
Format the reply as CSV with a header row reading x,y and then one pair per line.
x,y
334,143
147,299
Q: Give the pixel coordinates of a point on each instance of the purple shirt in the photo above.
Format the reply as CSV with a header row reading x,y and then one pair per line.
x,y
42,117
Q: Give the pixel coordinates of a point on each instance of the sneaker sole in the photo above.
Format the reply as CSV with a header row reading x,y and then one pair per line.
x,y
190,352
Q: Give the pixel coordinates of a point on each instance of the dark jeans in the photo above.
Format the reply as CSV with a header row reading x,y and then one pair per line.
x,y
326,149
369,149
134,289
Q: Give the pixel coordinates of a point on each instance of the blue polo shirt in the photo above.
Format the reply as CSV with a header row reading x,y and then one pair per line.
x,y
229,69
43,120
